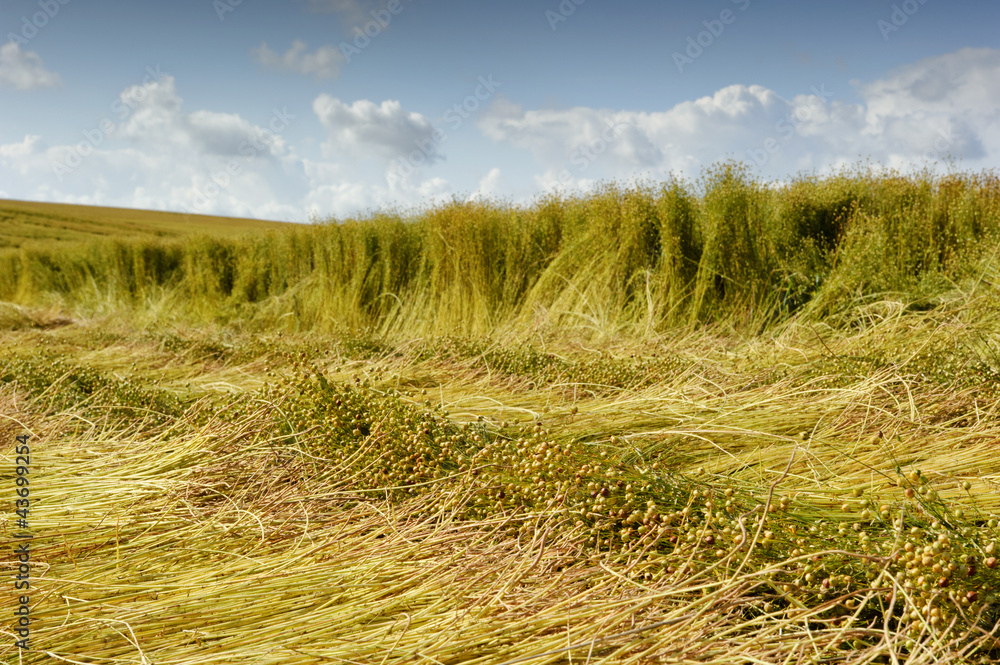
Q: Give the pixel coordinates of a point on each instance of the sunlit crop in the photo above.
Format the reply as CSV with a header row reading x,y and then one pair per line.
x,y
714,422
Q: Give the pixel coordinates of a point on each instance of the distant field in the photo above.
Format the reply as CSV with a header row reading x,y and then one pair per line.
x,y
28,223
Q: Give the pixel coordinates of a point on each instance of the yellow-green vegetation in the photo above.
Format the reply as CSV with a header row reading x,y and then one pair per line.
x,y
722,423
628,260
30,224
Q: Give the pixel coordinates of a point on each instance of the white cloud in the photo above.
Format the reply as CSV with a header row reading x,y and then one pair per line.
x,y
149,112
966,81
365,129
325,62
490,186
160,155
346,198
230,135
563,181
690,134
939,106
23,157
157,155
24,70
154,119
29,146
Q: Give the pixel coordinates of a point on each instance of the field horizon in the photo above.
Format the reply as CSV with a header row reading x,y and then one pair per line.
x,y
27,223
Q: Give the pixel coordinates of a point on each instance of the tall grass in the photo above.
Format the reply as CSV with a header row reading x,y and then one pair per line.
x,y
641,257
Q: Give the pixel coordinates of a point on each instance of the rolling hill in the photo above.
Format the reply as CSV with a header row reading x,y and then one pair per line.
x,y
28,223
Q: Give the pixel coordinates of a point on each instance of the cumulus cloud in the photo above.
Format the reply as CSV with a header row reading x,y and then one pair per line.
x,y
22,158
153,118
366,129
938,107
335,190
553,180
490,186
692,133
944,104
325,62
149,112
150,152
31,145
23,70
965,81
157,154
559,136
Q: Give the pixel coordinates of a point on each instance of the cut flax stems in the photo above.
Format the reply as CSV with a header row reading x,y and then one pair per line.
x,y
216,542
222,558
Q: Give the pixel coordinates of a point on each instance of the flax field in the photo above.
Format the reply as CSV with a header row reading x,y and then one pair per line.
x,y
723,421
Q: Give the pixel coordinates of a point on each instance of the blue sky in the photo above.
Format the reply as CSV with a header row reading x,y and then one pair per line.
x,y
317,108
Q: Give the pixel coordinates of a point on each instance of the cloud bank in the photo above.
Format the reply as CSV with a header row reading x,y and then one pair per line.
x,y
151,152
